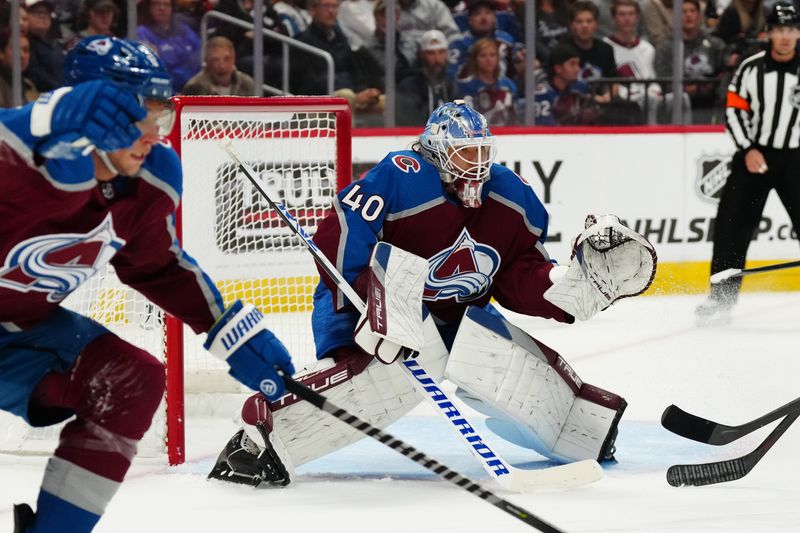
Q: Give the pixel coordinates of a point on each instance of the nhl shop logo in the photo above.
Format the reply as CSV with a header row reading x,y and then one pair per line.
x,y
794,98
712,175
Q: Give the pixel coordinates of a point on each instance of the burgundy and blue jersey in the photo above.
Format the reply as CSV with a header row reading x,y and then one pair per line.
x,y
59,225
495,251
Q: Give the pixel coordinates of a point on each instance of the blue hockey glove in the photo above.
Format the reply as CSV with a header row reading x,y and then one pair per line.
x,y
96,113
254,354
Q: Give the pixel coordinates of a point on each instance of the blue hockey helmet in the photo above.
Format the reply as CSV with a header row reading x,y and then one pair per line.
x,y
129,64
457,141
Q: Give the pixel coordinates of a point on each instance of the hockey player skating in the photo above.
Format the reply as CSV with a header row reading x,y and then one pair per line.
x,y
84,181
481,230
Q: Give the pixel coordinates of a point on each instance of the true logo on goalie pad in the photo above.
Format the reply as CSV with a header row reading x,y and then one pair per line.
x,y
463,271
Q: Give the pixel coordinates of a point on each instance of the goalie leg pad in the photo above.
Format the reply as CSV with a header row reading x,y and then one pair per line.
x,y
508,375
298,432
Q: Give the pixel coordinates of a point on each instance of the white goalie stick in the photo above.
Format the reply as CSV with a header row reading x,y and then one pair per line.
x,y
510,478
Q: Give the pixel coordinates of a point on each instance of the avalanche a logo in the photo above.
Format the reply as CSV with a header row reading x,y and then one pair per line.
x,y
712,175
463,271
57,264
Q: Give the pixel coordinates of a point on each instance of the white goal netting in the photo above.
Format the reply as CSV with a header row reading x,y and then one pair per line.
x,y
233,234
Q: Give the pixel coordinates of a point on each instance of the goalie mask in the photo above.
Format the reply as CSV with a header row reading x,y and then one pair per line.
x,y
457,141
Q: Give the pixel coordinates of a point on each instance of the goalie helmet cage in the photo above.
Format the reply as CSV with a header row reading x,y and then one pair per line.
x,y
299,145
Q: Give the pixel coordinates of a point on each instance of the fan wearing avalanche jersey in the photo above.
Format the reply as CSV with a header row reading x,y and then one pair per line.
x,y
85,181
480,230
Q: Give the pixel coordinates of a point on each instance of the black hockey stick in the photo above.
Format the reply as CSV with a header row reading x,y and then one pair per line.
x,y
739,272
730,470
700,429
417,456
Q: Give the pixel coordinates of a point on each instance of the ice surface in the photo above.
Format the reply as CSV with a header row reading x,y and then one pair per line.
x,y
646,349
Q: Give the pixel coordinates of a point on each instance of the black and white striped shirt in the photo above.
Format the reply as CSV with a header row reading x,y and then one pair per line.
x,y
763,106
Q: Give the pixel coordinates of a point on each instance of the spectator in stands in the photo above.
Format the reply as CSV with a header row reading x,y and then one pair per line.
x,y
190,12
597,57
96,17
29,92
419,16
293,16
657,15
741,25
242,38
219,75
505,12
703,57
174,42
552,22
309,72
46,53
405,48
357,21
482,24
5,17
484,87
563,99
634,57
428,86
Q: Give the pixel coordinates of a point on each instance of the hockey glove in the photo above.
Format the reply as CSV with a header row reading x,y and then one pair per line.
x,y
609,261
391,326
71,120
254,354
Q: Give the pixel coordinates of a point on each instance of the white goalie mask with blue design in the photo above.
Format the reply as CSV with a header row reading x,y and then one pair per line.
x,y
457,141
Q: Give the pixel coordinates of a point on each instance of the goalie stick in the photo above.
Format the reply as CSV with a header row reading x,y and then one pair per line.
x,y
730,470
417,456
509,477
700,429
739,272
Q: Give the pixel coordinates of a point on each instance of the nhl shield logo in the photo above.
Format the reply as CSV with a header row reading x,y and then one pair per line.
x,y
712,175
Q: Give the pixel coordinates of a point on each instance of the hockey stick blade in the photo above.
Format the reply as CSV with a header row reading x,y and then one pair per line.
x,y
561,477
737,272
722,471
725,274
700,429
418,457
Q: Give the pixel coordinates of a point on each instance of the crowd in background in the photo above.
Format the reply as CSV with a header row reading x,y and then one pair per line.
x,y
587,53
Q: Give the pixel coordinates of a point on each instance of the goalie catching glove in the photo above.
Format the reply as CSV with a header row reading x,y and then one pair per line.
x,y
609,261
391,325
254,354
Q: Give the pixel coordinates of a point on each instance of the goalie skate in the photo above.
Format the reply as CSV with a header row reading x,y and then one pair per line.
x,y
243,461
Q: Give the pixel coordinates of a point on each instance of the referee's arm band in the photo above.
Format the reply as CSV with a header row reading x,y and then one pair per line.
x,y
736,101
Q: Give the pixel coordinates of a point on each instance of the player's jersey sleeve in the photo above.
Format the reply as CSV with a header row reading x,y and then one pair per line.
x,y
64,174
154,263
525,276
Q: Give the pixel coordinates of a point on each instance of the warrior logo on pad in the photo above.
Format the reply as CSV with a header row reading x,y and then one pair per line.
x,y
464,271
59,263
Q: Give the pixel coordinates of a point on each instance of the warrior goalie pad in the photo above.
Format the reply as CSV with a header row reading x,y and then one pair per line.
x,y
609,261
391,327
380,394
532,395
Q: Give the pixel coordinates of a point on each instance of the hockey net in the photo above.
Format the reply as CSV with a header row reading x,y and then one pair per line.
x,y
300,149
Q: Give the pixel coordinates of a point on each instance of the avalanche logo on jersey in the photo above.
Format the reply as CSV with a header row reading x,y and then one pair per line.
x,y
58,264
464,271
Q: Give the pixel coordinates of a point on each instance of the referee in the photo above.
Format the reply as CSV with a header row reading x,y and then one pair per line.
x,y
763,112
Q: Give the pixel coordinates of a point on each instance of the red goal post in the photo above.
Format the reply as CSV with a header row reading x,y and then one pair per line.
x,y
299,145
